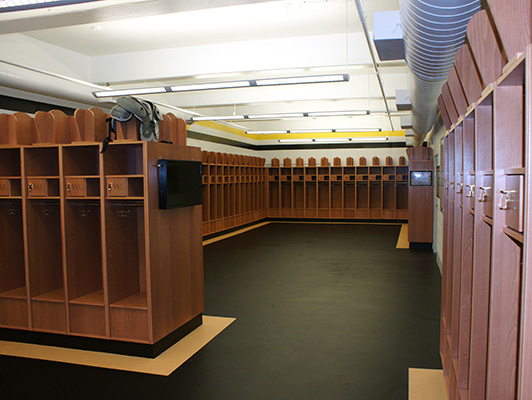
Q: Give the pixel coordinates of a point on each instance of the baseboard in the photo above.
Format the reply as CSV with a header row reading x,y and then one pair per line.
x,y
102,345
233,229
420,246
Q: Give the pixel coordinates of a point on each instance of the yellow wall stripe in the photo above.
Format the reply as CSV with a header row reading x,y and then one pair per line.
x,y
239,132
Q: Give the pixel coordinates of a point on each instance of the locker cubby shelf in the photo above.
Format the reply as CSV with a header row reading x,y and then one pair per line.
x,y
17,293
91,230
95,298
234,190
352,192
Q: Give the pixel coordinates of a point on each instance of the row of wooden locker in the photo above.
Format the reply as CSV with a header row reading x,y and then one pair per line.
x,y
240,189
234,190
350,200
80,241
486,331
86,125
351,192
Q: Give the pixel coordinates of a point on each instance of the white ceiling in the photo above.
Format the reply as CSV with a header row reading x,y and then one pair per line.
x,y
141,43
197,28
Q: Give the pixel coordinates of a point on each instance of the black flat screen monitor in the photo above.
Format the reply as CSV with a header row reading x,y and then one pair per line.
x,y
179,183
420,178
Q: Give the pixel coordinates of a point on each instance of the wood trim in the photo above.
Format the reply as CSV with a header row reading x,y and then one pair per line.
x,y
468,73
449,103
485,48
457,91
444,113
512,25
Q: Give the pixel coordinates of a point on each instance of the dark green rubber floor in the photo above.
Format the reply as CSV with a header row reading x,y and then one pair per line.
x,y
323,312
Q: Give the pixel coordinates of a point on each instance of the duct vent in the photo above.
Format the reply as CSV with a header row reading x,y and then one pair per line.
x,y
388,35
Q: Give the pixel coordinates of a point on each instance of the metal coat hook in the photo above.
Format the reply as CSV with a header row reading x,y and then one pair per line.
x,y
47,212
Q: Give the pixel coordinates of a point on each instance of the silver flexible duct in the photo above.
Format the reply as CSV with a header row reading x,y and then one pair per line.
x,y
433,32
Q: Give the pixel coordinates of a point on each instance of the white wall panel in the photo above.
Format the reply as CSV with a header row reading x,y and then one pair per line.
x,y
29,52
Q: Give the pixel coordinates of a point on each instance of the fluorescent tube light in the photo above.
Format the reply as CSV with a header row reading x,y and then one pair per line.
x,y
266,132
274,116
332,140
302,79
369,139
219,118
225,85
286,115
337,113
209,86
296,140
358,130
311,130
296,131
129,92
19,5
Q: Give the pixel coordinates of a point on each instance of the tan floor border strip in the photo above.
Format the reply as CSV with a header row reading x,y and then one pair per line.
x,y
337,223
402,242
228,235
164,364
426,384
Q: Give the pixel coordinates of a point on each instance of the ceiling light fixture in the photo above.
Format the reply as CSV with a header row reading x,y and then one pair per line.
x,y
226,85
19,5
288,115
276,116
129,92
358,130
369,139
311,131
333,140
296,140
266,132
296,131
209,86
337,113
302,79
219,118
